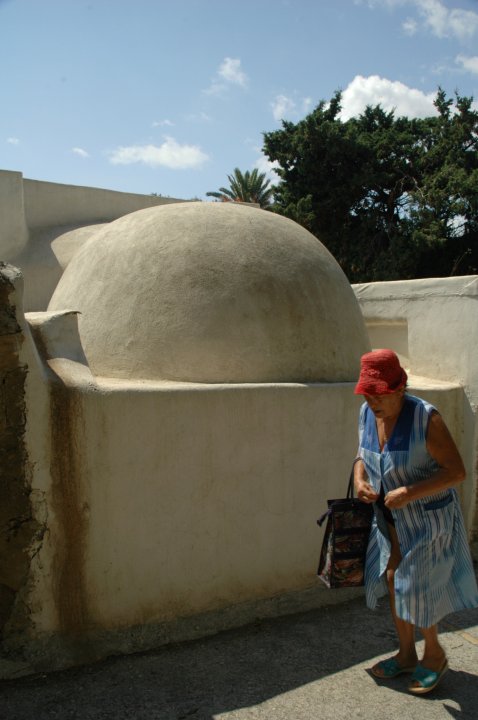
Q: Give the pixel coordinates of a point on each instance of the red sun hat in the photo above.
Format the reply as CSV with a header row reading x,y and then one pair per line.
x,y
380,374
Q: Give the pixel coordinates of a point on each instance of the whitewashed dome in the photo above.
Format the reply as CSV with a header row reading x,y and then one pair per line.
x,y
212,292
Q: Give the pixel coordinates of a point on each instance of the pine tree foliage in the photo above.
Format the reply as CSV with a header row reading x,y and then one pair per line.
x,y
391,197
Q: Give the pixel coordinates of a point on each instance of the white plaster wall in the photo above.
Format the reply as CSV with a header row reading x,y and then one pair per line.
x,y
214,497
45,257
168,501
441,317
206,497
48,204
13,227
197,498
433,324
43,224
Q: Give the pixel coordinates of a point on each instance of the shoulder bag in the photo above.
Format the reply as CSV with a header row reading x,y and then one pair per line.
x,y
342,557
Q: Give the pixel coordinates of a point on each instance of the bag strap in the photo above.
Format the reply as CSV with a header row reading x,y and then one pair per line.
x,y
350,495
350,489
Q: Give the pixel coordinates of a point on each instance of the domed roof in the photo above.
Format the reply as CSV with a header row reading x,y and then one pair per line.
x,y
212,292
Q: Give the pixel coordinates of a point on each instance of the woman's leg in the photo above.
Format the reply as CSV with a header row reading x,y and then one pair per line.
x,y
434,655
407,654
434,659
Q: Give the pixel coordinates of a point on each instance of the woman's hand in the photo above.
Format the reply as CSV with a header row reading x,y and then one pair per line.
x,y
365,491
397,499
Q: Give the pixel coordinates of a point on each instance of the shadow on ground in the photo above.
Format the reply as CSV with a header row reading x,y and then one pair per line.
x,y
244,668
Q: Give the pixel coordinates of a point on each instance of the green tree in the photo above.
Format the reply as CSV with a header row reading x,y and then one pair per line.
x,y
250,186
390,197
444,212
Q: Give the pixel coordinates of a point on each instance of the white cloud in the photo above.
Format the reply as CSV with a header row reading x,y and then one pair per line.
x,y
435,15
170,154
372,4
306,105
215,88
13,141
162,123
228,73
410,26
201,117
468,63
443,22
79,151
391,95
282,106
266,166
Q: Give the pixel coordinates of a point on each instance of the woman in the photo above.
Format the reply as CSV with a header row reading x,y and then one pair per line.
x,y
408,466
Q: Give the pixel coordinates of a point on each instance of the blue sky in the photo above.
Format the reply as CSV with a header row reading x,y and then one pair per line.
x,y
168,96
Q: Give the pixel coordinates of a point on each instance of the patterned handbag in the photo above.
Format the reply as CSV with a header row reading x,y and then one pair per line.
x,y
342,558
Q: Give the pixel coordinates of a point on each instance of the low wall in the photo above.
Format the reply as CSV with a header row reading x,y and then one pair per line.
x,y
13,226
433,320
50,204
150,512
432,323
44,223
172,510
178,507
200,498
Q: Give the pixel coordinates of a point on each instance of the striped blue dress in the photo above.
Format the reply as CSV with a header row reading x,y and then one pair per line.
x,y
435,576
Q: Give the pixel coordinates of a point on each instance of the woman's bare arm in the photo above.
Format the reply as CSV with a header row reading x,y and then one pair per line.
x,y
443,450
363,489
